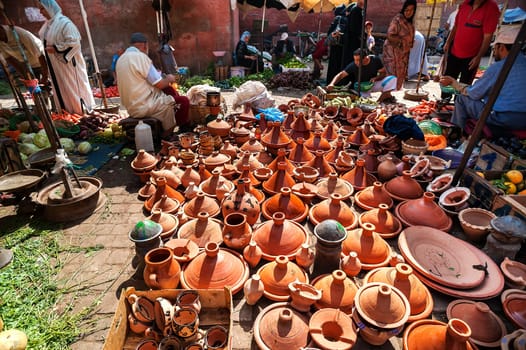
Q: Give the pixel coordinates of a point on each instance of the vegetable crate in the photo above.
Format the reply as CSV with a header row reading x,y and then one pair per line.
x,y
325,96
216,309
197,114
493,157
514,205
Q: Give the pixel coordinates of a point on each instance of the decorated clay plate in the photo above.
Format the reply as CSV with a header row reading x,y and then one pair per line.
x,y
492,285
435,254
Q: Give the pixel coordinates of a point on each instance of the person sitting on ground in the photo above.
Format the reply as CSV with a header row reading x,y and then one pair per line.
x,y
508,111
141,88
372,70
284,49
246,58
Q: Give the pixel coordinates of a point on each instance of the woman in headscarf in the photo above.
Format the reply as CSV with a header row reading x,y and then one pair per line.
x,y
246,58
400,36
61,40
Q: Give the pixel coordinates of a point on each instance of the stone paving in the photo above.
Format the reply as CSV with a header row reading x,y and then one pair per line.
x,y
97,278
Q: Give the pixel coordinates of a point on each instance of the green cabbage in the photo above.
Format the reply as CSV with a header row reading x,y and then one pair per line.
x,y
26,138
27,148
84,147
41,139
67,144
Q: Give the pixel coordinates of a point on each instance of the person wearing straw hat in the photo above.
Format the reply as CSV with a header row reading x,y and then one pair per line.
x,y
508,111
69,76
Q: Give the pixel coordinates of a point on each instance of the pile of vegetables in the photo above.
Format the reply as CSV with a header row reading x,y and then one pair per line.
x,y
298,80
293,62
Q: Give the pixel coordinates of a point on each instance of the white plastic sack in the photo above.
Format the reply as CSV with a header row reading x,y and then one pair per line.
x,y
197,93
249,92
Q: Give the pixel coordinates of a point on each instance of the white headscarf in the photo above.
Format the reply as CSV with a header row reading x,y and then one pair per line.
x,y
51,7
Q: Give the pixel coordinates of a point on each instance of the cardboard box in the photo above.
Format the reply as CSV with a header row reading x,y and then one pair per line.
x,y
216,309
493,157
483,193
514,205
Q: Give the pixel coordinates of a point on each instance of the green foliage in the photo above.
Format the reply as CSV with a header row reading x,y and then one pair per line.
x,y
5,89
31,299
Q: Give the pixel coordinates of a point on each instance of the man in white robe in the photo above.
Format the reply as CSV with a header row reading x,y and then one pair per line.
x,y
61,40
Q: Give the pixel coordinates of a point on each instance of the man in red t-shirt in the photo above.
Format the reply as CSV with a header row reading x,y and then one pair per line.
x,y
470,38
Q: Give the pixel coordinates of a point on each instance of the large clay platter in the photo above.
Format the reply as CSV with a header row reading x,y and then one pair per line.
x,y
440,257
491,286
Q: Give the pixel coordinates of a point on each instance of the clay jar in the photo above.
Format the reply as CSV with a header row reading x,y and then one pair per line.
x,y
279,236
387,169
381,311
387,225
358,176
252,254
303,295
280,327
334,208
423,212
436,335
286,202
371,197
237,232
350,264
202,230
404,187
241,201
253,289
334,184
216,268
332,329
401,276
373,251
162,271
337,289
277,275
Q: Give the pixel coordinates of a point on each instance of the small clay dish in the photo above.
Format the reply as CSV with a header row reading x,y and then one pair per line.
x,y
475,222
455,198
514,273
515,309
262,174
306,173
184,249
440,183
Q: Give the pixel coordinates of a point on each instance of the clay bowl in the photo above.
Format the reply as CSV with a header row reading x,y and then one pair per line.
x,y
413,146
455,198
440,183
438,165
513,292
475,222
514,273
515,309
184,249
306,173
332,329
262,174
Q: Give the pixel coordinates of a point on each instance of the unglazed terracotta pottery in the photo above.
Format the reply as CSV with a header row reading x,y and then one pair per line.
x,y
253,146
253,289
248,174
252,254
146,191
169,222
380,312
166,204
455,197
286,202
184,249
299,154
319,162
191,191
387,225
358,177
248,158
148,344
279,236
190,175
241,201
201,203
162,271
476,223
202,230
334,208
331,329
303,295
330,132
333,154
318,143
282,157
138,327
514,272
237,232
275,138
306,191
279,179
162,189
423,211
373,251
216,338
434,254
414,146
171,178
403,187
337,289
486,327
371,197
436,335
334,184
515,309
305,256
141,309
387,169
358,138
277,275
279,326
351,264
216,268
402,277
306,173
216,184
440,183
144,161
300,127
219,127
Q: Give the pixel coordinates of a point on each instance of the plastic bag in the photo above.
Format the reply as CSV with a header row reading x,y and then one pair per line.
x,y
197,93
253,92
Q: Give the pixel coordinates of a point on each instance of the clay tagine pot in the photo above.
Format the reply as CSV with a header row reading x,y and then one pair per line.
x,y
201,203
334,208
423,212
280,178
216,186
330,328
278,326
169,222
215,268
387,225
282,157
401,276
487,329
319,162
372,196
279,236
373,251
275,138
358,176
381,311
202,230
286,202
299,154
334,184
403,187
144,161
277,275
318,143
306,173
337,289
436,335
219,127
